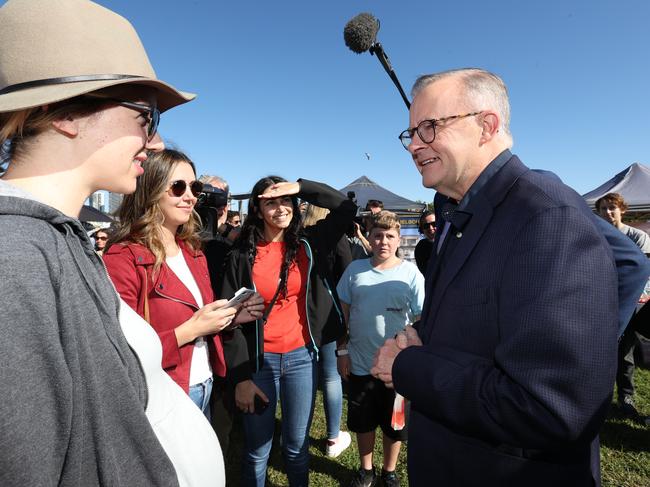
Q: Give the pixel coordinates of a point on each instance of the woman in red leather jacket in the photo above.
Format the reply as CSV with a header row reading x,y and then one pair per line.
x,y
154,260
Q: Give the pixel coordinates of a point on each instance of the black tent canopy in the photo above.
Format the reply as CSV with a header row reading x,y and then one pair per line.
x,y
91,214
366,189
633,183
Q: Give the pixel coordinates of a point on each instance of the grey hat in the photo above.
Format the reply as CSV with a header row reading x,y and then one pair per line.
x,y
52,50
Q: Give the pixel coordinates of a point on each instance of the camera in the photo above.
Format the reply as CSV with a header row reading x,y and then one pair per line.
x,y
212,197
210,203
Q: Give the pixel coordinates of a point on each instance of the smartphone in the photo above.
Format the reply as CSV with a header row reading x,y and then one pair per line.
x,y
260,405
240,296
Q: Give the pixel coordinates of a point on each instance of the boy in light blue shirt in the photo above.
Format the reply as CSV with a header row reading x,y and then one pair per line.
x,y
379,296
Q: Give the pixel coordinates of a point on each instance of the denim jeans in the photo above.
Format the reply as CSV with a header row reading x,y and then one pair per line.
x,y
291,378
330,381
200,395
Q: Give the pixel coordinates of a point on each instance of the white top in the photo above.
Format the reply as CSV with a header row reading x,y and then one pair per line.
x,y
183,431
200,369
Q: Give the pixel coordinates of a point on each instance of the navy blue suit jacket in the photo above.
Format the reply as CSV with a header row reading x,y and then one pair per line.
x,y
516,372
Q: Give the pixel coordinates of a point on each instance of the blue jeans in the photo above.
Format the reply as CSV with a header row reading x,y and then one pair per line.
x,y
290,377
200,395
332,390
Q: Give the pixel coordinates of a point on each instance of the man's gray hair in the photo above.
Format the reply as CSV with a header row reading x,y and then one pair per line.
x,y
215,181
483,91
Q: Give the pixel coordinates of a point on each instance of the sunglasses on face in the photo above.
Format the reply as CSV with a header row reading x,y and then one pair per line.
x,y
151,113
429,224
178,188
101,238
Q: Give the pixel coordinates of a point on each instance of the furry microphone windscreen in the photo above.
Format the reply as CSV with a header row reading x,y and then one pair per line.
x,y
360,32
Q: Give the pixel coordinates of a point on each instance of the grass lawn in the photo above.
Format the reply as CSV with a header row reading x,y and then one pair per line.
x,y
625,451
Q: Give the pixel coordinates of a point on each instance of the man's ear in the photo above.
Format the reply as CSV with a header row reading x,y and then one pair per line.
x,y
68,126
490,126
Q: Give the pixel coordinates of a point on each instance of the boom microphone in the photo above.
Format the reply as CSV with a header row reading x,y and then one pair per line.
x,y
360,35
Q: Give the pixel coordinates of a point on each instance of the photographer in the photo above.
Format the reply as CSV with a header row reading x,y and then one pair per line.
x,y
212,207
217,236
359,245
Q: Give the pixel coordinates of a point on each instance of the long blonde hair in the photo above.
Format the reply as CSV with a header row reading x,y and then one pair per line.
x,y
140,216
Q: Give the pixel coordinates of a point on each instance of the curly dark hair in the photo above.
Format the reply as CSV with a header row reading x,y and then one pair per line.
x,y
252,230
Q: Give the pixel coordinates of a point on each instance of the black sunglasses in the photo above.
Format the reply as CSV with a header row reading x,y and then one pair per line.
x,y
152,114
179,187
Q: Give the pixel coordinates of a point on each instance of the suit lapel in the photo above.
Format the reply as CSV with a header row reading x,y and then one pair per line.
x,y
466,241
481,206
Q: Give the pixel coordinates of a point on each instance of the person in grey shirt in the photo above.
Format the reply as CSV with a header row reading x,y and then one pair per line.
x,y
79,109
612,207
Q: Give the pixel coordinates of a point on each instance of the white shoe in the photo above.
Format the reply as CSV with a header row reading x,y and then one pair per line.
x,y
342,443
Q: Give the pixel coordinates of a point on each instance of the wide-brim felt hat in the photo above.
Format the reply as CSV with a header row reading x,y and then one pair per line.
x,y
53,50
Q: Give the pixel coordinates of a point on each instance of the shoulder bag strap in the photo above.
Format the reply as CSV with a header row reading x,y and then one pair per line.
x,y
268,309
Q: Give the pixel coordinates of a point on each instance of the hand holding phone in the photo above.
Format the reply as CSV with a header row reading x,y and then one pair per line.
x,y
240,296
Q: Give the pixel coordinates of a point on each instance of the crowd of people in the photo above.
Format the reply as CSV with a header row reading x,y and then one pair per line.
x,y
130,357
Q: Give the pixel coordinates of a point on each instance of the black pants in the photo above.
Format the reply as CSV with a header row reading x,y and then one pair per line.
x,y
625,370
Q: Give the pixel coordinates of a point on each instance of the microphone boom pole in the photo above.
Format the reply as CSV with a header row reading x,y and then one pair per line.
x,y
378,51
360,35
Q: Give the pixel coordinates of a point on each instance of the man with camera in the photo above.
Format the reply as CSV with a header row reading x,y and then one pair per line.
x,y
217,235
213,209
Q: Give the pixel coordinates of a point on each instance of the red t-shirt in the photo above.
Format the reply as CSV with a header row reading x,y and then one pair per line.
x,y
286,328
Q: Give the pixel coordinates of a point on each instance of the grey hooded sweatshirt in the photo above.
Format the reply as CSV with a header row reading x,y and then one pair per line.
x,y
73,395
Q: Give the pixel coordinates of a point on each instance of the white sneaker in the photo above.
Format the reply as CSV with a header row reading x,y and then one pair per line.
x,y
342,443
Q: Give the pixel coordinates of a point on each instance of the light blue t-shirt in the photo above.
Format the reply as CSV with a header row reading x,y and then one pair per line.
x,y
381,303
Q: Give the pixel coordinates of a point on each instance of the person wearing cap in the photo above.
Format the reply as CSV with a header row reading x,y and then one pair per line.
x,y
85,400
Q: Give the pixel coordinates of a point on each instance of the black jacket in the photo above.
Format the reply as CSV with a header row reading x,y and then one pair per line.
x,y
244,346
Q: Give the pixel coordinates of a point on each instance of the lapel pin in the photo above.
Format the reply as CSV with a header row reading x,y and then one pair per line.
x,y
459,234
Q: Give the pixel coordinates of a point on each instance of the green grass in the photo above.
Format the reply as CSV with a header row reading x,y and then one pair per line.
x,y
625,450
625,445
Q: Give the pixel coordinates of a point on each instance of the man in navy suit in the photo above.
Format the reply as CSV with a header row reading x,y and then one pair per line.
x,y
510,372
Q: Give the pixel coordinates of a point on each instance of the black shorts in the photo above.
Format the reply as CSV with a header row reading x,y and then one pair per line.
x,y
370,404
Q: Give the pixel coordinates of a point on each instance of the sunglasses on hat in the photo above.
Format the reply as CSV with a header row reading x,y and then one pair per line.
x,y
179,187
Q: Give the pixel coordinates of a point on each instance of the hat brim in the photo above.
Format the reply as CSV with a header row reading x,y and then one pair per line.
x,y
167,96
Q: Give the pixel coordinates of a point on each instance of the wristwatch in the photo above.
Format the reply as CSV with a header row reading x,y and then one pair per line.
x,y
341,352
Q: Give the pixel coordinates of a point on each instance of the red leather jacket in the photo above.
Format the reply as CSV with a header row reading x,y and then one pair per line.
x,y
170,302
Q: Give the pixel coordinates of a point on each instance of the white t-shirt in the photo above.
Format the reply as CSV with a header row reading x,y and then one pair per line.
x,y
183,431
200,369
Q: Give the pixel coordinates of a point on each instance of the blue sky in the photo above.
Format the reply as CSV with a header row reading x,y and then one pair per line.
x,y
280,93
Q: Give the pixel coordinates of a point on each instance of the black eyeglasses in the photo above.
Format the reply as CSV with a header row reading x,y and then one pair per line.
x,y
179,187
152,114
426,129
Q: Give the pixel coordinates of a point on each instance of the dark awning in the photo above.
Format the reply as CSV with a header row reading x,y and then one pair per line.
x,y
90,214
366,189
